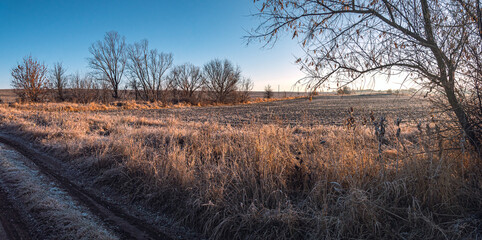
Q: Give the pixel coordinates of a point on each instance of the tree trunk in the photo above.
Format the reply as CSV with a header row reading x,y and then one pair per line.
x,y
448,78
462,118
116,93
61,94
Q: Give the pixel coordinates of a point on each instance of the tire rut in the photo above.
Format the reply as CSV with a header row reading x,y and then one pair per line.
x,y
126,226
12,227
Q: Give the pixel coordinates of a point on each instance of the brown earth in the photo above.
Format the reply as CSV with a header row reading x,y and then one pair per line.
x,y
322,110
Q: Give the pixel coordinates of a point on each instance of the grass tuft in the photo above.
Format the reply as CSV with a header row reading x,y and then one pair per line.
x,y
268,181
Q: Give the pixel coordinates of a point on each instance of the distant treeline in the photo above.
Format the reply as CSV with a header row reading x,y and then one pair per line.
x,y
132,71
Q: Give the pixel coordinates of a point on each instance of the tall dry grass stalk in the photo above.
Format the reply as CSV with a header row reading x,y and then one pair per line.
x,y
123,105
272,182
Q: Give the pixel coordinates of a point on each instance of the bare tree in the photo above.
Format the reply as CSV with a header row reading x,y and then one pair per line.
x,y
222,78
147,69
134,85
59,80
83,88
30,79
268,91
472,68
109,60
188,78
245,87
426,40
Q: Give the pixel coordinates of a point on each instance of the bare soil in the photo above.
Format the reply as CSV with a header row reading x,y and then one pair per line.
x,y
322,110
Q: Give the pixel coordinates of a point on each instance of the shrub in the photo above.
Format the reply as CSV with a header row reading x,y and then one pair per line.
x,y
343,90
30,80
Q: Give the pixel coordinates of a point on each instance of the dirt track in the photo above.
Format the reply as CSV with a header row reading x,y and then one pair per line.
x,y
12,226
124,225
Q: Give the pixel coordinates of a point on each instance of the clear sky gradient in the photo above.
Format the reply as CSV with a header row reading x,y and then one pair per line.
x,y
194,31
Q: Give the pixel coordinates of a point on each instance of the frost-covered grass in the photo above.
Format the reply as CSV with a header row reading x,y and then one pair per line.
x,y
271,181
56,214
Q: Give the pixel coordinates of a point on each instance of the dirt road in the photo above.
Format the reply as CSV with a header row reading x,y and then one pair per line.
x,y
33,180
12,226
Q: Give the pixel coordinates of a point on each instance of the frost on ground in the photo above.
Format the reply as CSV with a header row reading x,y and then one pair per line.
x,y
54,212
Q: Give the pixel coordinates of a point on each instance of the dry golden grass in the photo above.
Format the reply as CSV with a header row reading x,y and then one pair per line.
x,y
122,105
92,107
268,181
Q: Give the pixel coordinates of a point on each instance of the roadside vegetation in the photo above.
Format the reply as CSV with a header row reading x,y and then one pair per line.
x,y
372,177
363,180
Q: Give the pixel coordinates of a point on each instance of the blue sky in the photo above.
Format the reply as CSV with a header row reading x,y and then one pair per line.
x,y
194,31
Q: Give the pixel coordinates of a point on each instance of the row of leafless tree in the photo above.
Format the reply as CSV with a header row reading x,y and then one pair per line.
x,y
33,81
146,74
152,76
